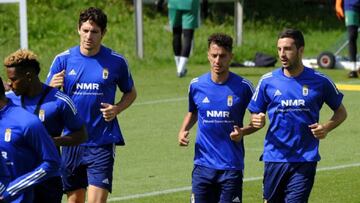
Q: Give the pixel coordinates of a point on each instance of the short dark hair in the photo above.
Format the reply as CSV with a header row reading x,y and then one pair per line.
x,y
94,14
23,60
2,88
222,40
294,34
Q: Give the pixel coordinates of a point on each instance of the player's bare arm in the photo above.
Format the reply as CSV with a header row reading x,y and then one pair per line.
x,y
110,111
72,139
189,121
320,131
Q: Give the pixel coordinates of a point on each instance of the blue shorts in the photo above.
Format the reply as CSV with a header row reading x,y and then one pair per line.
x,y
213,186
49,189
288,182
88,166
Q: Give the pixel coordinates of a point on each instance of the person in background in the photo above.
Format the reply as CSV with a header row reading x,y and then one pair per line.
x,y
28,150
184,19
293,95
55,109
218,101
352,22
90,74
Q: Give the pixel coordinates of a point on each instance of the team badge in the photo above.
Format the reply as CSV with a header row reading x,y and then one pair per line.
x,y
105,73
42,115
229,100
305,90
7,135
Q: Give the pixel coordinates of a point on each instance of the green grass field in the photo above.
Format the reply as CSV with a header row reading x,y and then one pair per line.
x,y
152,167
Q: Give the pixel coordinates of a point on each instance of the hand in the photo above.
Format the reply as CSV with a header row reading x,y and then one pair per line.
x,y
237,134
6,86
109,111
57,80
339,11
258,120
319,131
183,138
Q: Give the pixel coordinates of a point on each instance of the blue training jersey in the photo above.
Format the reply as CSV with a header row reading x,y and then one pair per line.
x,y
219,108
28,151
90,81
56,110
293,103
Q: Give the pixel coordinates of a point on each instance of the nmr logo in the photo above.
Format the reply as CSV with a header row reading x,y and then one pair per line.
x,y
87,86
218,114
293,102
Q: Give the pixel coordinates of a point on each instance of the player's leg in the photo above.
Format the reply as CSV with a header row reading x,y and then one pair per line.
x,y
100,162
230,182
74,175
300,182
352,23
189,23
76,196
275,178
175,24
204,188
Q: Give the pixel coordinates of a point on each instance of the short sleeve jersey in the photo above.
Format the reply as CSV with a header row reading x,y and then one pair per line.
x,y
90,81
219,107
293,103
56,111
29,153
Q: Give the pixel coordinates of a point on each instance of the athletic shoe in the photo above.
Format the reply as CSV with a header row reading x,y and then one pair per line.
x,y
182,73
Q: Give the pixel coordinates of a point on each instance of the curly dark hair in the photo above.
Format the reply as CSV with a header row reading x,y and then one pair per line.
x,y
94,14
23,60
222,40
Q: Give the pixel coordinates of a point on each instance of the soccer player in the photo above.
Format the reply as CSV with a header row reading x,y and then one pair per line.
x,y
217,101
28,150
53,107
293,96
90,74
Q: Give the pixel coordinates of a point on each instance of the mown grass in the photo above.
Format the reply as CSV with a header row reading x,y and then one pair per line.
x,y
151,160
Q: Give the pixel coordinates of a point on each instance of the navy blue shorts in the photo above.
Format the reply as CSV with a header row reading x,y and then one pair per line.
x,y
213,186
94,167
50,189
288,182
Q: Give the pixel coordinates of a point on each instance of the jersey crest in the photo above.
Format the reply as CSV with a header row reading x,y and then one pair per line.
x,y
42,115
105,73
305,90
7,135
230,100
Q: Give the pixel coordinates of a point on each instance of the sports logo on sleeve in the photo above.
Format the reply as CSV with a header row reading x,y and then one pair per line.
x,y
305,90
42,115
105,73
230,100
7,135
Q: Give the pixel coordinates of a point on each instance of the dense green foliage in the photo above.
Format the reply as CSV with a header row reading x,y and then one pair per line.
x,y
53,28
